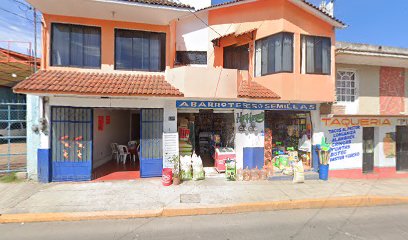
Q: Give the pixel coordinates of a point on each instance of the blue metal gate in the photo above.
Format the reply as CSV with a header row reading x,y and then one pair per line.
x,y
151,146
71,143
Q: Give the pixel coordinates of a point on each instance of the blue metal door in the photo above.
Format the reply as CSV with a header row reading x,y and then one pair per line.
x,y
151,142
71,143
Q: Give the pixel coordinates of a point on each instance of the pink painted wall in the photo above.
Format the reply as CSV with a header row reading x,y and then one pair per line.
x,y
270,17
392,90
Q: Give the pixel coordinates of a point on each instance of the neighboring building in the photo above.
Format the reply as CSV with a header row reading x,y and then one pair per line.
x,y
14,67
251,73
369,119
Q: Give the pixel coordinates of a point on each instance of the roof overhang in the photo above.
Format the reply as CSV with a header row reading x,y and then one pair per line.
x,y
227,4
365,54
318,13
112,10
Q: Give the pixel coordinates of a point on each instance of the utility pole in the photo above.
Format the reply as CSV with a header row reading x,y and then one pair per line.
x,y
35,40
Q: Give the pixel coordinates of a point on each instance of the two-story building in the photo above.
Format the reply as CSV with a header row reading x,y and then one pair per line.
x,y
367,125
248,74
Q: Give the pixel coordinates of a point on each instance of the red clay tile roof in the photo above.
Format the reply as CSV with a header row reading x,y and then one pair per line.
x,y
255,90
94,83
167,3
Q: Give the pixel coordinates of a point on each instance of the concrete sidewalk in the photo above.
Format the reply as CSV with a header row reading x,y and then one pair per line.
x,y
147,197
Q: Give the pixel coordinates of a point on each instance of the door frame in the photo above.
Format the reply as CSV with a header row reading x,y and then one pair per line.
x,y
372,155
397,155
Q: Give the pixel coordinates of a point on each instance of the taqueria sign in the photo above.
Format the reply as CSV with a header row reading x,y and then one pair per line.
x,y
363,122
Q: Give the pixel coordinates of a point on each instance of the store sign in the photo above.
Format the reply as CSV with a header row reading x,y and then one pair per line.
x,y
170,149
342,140
350,122
249,120
245,105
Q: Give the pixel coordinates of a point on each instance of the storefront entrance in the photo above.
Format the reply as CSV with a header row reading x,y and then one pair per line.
x,y
287,138
105,143
402,148
204,131
115,144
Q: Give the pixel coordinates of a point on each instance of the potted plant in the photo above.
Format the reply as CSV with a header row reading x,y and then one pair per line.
x,y
176,170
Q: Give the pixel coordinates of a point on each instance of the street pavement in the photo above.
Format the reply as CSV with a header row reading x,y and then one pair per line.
x,y
342,223
149,194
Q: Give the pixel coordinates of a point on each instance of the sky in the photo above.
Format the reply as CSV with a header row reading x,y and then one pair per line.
x,y
16,24
380,22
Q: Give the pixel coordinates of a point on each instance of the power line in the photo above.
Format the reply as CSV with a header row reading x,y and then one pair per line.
x,y
23,4
15,14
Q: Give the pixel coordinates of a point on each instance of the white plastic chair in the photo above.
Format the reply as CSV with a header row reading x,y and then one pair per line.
x,y
115,152
133,150
123,153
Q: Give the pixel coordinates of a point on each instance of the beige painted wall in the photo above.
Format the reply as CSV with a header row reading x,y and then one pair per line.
x,y
368,78
117,131
200,82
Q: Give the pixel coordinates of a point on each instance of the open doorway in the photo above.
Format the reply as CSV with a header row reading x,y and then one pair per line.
x,y
288,137
209,132
116,134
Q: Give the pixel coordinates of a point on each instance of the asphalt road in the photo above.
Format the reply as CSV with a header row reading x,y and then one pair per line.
x,y
344,223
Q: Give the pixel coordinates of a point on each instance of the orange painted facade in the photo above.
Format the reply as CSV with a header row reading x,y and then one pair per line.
x,y
268,18
107,38
264,17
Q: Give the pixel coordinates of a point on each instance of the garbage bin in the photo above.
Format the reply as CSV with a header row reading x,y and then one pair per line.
x,y
324,172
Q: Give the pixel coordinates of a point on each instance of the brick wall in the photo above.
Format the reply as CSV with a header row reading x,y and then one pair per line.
x,y
392,90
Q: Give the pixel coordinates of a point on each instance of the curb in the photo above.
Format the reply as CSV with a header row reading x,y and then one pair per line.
x,y
355,201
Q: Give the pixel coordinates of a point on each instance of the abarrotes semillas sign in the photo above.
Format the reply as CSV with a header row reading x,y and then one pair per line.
x,y
245,105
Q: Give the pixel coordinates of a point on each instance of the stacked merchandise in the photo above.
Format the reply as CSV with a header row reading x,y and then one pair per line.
x,y
192,168
288,163
268,147
185,143
252,174
198,169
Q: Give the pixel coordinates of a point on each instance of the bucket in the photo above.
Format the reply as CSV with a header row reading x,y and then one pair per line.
x,y
324,172
167,176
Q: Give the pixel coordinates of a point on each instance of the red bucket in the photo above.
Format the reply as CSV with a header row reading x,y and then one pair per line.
x,y
167,176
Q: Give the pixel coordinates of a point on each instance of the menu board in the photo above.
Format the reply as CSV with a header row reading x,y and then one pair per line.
x,y
170,149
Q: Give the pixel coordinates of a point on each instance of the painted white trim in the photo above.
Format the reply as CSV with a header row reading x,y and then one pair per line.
x,y
357,88
145,5
371,54
226,5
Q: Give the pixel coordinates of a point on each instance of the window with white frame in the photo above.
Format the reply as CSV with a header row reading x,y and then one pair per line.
x,y
346,86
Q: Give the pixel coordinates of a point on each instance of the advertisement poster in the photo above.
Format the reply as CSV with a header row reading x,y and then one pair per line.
x,y
100,123
249,131
346,137
170,149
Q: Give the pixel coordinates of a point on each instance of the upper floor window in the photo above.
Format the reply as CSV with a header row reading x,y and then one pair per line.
x,y
191,57
139,50
236,57
75,46
316,55
274,54
346,87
